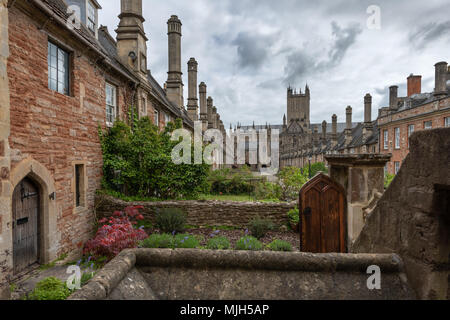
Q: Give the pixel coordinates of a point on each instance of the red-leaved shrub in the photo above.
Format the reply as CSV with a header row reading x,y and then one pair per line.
x,y
116,234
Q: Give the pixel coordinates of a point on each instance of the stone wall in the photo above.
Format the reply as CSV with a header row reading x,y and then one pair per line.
x,y
412,218
240,275
203,213
5,190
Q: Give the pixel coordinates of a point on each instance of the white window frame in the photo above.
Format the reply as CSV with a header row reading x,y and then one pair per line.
x,y
111,106
58,69
397,138
411,129
166,118
157,118
397,166
425,125
91,24
447,122
386,139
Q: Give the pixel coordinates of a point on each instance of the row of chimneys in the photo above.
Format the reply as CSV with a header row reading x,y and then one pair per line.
x,y
415,84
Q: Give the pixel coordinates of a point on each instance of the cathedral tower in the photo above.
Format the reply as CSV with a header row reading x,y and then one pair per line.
x,y
298,107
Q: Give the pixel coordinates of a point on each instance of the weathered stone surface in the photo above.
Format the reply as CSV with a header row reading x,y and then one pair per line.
x,y
241,275
413,216
204,213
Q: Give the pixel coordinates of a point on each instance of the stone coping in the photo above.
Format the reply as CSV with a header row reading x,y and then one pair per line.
x,y
101,286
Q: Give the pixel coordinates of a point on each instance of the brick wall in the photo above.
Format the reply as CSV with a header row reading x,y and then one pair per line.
x,y
204,213
54,129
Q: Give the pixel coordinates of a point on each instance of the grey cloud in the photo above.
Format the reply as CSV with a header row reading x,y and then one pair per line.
x,y
428,33
252,49
301,63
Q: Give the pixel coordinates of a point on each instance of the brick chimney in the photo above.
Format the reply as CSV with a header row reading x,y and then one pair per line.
x,y
324,131
414,85
441,69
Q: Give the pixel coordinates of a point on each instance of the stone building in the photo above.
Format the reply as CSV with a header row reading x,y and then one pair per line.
x,y
60,80
415,112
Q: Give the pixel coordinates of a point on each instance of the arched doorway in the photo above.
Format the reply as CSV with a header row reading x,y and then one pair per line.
x,y
26,225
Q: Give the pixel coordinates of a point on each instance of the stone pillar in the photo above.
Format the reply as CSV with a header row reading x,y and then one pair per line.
x,y
441,79
192,105
209,106
174,82
393,97
6,263
131,39
348,129
203,106
362,176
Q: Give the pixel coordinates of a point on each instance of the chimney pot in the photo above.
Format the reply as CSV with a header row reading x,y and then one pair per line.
x,y
414,85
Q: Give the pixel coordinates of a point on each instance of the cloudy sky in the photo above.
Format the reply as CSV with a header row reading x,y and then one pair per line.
x,y
249,51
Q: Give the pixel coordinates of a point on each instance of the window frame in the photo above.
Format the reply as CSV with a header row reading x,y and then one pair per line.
x,y
397,135
386,140
80,182
425,123
410,132
110,107
447,122
89,21
397,167
66,65
156,118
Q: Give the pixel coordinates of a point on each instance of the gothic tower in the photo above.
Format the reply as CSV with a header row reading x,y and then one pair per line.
x,y
298,106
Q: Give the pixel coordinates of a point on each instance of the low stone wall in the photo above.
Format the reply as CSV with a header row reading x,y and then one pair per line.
x,y
242,275
413,216
204,213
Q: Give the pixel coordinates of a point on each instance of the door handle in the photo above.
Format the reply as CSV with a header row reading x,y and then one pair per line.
x,y
307,211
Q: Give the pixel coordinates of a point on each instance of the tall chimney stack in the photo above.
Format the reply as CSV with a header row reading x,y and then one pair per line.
x,y
441,70
209,104
368,108
324,131
393,97
348,130
414,85
192,105
174,79
334,130
203,106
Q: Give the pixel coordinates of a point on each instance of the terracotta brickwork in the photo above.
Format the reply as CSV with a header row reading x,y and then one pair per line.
x,y
54,129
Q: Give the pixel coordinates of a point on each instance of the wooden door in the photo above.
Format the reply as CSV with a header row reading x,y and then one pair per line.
x,y
25,225
322,216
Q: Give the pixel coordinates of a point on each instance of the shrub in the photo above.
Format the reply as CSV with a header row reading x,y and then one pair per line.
x,y
158,241
137,161
294,217
267,191
249,243
291,181
279,245
218,243
116,234
171,220
315,169
259,227
388,180
185,241
50,289
231,182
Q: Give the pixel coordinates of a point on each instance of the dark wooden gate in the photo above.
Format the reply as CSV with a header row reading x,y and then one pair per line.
x,y
322,216
25,225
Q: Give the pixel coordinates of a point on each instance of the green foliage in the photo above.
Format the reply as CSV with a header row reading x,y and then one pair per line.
x,y
231,182
294,216
388,180
267,191
185,241
315,169
86,277
259,227
139,162
279,245
218,243
158,241
50,289
291,181
53,263
248,243
171,220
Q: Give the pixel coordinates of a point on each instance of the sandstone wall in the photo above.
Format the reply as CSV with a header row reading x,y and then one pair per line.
x,y
203,213
412,218
239,275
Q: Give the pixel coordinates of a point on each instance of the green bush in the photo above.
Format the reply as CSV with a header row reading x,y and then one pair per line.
x,y
291,181
158,241
294,216
279,245
218,243
50,289
388,180
138,162
185,241
231,182
315,169
170,220
259,227
249,243
267,191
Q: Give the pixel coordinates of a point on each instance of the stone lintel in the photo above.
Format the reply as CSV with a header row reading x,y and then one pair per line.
x,y
353,160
